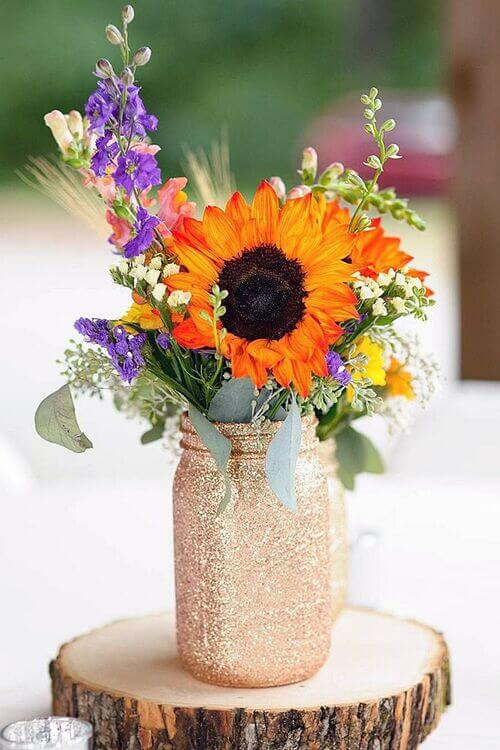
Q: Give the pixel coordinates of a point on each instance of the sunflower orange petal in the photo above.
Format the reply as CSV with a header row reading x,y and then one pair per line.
x,y
220,232
265,211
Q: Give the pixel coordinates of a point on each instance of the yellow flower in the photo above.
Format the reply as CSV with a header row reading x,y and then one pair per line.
x,y
143,316
374,368
399,380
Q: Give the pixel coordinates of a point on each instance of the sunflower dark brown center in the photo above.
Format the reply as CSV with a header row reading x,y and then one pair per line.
x,y
266,293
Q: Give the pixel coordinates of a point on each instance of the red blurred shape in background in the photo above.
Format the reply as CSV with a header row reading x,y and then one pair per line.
x,y
425,133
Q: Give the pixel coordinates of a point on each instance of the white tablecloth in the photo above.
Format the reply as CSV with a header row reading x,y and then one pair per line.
x,y
75,556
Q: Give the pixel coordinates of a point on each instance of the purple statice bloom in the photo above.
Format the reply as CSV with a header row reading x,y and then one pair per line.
x,y
163,341
144,227
96,331
99,108
105,153
125,349
137,170
337,369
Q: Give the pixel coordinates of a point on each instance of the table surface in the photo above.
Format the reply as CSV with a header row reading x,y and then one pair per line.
x,y
439,563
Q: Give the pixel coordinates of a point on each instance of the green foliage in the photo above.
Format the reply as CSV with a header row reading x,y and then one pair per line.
x,y
217,445
263,67
281,458
55,421
233,401
356,454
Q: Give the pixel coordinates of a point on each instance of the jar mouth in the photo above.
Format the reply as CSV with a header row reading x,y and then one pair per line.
x,y
246,428
246,437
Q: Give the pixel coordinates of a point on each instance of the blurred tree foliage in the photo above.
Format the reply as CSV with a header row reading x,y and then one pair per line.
x,y
264,68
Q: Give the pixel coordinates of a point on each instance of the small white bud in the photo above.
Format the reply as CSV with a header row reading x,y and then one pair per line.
x,y
379,307
331,173
384,279
278,186
366,292
310,161
123,267
399,305
56,121
400,279
156,262
142,56
178,298
138,260
139,272
171,269
113,34
127,14
152,276
159,292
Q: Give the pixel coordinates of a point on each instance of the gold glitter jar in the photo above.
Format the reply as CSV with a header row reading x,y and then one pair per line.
x,y
253,585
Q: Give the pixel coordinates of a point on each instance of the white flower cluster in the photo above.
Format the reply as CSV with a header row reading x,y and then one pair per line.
x,y
393,293
425,380
149,277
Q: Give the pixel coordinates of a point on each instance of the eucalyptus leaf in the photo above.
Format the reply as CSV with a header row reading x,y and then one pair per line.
x,y
356,454
217,445
281,458
55,421
153,434
233,401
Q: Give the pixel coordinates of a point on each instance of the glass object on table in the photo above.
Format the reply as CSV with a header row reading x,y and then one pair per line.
x,y
46,733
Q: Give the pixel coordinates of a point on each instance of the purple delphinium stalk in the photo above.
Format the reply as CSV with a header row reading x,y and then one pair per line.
x,y
144,227
124,348
337,369
137,170
163,341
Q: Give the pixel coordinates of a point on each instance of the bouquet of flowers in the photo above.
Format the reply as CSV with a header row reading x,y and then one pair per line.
x,y
269,309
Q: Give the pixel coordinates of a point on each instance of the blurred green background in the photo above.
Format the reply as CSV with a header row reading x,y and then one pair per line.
x,y
264,68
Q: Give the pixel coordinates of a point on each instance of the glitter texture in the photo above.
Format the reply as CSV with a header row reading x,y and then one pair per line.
x,y
252,584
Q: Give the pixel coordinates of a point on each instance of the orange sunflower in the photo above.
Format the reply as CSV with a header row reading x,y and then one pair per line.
x,y
286,281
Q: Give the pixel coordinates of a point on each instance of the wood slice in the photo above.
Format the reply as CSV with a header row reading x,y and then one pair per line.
x,y
384,687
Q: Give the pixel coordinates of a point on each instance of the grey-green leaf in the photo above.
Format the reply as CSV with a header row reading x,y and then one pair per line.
x,y
217,445
154,433
356,454
233,401
281,458
55,421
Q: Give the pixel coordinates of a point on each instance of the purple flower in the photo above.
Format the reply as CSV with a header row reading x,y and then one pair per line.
x,y
143,233
96,331
124,348
136,120
99,108
105,153
337,369
137,170
163,340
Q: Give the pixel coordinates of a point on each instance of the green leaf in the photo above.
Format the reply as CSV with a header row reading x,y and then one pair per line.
x,y
356,454
233,401
217,445
281,458
55,421
154,433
